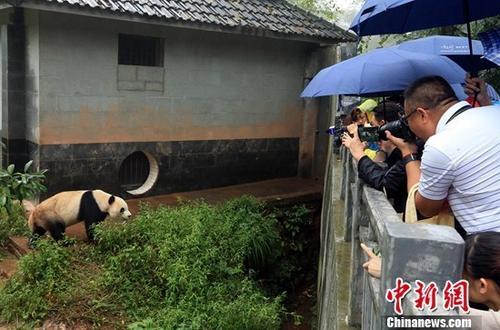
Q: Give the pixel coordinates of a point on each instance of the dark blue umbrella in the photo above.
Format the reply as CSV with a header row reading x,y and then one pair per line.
x,y
452,47
400,16
381,72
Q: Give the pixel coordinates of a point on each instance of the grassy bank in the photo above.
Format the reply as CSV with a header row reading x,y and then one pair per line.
x,y
194,266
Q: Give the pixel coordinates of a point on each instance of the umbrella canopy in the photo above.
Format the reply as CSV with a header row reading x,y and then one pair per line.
x,y
456,48
381,72
400,16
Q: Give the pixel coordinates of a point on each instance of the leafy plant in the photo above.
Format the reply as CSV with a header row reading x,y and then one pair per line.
x,y
19,185
327,9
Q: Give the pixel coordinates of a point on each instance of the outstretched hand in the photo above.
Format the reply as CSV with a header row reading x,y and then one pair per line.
x,y
374,264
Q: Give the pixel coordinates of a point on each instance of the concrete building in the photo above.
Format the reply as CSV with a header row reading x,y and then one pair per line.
x,y
148,97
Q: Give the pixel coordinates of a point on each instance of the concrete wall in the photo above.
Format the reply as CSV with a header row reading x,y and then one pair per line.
x,y
216,86
32,76
87,113
4,19
14,87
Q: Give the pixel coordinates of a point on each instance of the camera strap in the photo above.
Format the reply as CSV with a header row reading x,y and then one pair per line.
x,y
459,111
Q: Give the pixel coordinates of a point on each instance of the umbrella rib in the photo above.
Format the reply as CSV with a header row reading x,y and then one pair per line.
x,y
407,15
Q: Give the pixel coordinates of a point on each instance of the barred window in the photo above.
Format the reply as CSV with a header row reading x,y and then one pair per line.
x,y
139,50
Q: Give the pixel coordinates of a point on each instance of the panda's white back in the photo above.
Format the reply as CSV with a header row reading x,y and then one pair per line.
x,y
65,204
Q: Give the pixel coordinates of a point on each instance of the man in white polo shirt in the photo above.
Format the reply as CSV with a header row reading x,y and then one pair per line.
x,y
461,159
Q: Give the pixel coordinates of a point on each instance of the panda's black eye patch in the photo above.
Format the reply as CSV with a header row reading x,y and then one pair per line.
x,y
121,210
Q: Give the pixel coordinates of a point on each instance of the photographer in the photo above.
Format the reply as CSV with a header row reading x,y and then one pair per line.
x,y
461,159
391,178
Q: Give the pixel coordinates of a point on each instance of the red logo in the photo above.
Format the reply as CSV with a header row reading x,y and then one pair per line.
x,y
426,295
397,294
455,295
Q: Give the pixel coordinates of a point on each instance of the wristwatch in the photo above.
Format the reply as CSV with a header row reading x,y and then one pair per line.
x,y
410,158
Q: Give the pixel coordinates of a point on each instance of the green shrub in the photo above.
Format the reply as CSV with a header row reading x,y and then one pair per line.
x,y
14,187
188,262
39,283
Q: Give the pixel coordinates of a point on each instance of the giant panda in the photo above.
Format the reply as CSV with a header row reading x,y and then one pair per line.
x,y
69,207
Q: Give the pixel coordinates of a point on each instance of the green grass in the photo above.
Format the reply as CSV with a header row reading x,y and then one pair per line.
x,y
186,267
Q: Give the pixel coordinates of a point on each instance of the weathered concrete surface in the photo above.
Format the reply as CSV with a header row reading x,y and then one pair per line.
x,y
215,86
429,253
211,87
183,165
318,114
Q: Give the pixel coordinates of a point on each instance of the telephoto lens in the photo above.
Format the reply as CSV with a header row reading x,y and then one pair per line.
x,y
398,128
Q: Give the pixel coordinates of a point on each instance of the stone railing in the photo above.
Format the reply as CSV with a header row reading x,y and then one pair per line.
x,y
413,252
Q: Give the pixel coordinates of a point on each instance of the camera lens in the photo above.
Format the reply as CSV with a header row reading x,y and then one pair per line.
x,y
398,129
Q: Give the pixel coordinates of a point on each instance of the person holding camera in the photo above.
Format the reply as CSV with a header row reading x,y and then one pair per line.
x,y
391,178
461,160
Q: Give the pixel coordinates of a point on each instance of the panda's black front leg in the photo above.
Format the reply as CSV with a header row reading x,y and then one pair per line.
x,y
57,230
89,229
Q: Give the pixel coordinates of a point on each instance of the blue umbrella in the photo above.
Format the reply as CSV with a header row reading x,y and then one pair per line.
x,y
381,72
400,16
454,48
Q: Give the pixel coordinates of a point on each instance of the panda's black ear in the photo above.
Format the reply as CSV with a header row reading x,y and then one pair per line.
x,y
111,200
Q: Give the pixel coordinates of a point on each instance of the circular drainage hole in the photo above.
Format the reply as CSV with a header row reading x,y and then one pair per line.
x,y
138,173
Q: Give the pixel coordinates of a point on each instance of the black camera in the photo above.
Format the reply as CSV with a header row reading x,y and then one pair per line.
x,y
368,134
337,134
398,128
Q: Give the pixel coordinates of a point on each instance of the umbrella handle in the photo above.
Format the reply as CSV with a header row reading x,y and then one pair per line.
x,y
473,74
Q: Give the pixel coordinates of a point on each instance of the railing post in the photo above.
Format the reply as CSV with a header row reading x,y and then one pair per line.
x,y
343,159
357,257
419,252
348,201
327,303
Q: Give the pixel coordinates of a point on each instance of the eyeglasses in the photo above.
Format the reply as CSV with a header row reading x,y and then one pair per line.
x,y
408,115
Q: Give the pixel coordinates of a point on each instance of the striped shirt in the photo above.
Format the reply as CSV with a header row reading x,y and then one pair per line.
x,y
461,162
